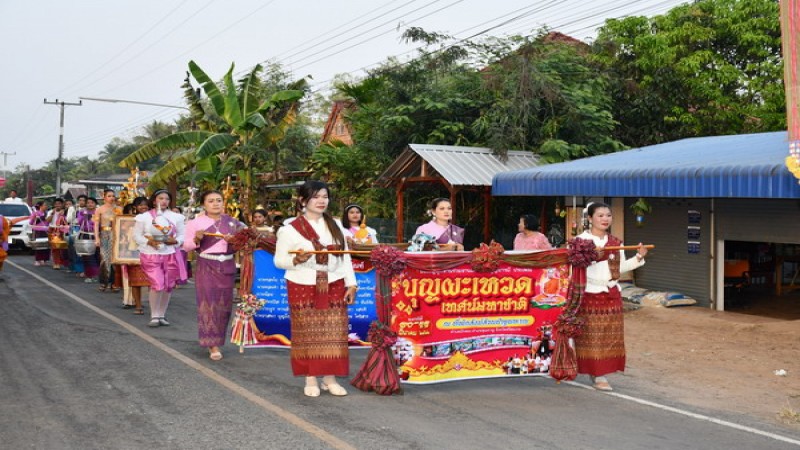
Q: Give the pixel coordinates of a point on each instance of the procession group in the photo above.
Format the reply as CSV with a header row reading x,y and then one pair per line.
x,y
320,280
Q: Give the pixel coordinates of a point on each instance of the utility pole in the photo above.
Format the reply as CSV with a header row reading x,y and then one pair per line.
x,y
5,162
62,104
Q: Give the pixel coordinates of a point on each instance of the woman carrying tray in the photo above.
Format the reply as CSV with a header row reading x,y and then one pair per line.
x,y
159,234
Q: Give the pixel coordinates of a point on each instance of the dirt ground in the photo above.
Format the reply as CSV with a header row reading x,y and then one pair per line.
x,y
724,360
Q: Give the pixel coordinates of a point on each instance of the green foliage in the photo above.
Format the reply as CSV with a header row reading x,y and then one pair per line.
x,y
547,97
245,120
711,67
353,171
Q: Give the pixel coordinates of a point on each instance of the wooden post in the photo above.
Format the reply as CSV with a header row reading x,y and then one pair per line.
x,y
487,206
399,211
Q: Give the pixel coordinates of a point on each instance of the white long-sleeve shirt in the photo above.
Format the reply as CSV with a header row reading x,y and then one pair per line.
x,y
598,275
144,227
289,239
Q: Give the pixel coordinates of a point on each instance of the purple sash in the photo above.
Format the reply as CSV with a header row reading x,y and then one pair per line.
x,y
226,227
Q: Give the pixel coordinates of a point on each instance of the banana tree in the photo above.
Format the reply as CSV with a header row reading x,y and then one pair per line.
x,y
235,128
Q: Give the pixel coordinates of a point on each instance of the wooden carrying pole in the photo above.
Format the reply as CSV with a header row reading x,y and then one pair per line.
x,y
625,247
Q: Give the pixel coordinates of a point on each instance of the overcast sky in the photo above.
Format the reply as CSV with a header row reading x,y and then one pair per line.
x,y
139,50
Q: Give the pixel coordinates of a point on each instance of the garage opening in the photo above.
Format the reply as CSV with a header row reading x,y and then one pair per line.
x,y
761,278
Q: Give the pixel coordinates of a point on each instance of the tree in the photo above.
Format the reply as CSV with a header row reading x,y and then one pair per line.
x,y
236,126
546,96
711,67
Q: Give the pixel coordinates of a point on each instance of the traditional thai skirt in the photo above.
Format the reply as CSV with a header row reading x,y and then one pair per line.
x,y
319,326
91,264
106,268
75,260
136,276
214,291
41,254
162,271
601,346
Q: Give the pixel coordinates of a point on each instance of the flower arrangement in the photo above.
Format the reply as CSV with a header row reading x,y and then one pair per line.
x,y
486,258
582,252
387,260
244,330
381,336
569,325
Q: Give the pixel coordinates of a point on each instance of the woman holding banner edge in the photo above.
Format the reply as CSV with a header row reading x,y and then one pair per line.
x,y
320,286
600,348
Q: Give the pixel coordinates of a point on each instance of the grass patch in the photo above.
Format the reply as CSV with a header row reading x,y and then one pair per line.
x,y
789,415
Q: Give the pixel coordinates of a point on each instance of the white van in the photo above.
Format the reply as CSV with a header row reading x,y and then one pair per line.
x,y
19,231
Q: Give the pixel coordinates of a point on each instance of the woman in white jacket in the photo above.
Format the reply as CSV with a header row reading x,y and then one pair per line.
x,y
600,348
320,286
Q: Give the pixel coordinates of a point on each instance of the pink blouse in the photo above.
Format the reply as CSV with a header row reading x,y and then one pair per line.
x,y
536,241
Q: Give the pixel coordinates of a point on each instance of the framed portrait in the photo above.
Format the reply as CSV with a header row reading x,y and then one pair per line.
x,y
124,249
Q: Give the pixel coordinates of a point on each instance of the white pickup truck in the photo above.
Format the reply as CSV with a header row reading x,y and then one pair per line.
x,y
19,231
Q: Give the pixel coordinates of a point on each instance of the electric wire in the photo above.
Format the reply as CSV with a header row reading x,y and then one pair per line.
x,y
126,48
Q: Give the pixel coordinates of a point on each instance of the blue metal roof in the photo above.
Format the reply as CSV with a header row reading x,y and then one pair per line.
x,y
737,166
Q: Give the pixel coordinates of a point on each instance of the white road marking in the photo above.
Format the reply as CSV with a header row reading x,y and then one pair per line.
x,y
265,404
693,415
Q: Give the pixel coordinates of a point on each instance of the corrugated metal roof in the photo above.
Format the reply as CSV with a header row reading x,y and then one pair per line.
x,y
738,166
469,166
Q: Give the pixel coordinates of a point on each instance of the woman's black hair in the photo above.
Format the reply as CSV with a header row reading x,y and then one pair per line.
x,y
209,192
138,201
308,190
435,202
530,221
346,215
594,206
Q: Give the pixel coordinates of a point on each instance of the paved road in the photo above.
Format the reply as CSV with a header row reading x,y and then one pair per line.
x,y
79,372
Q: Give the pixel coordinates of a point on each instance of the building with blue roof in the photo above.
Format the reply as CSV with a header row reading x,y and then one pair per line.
x,y
713,199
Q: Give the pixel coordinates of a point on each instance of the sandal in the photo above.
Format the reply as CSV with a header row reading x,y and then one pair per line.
x,y
114,289
215,356
101,288
139,311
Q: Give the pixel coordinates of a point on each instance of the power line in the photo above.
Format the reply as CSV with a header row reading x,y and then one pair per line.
x,y
372,37
246,16
156,42
345,31
131,44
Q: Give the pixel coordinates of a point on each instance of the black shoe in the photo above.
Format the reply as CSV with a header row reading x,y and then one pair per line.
x,y
163,321
127,306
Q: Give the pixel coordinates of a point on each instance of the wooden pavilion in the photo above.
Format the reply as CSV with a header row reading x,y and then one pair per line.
x,y
456,168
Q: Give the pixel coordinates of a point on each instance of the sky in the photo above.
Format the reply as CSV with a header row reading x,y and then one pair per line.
x,y
139,51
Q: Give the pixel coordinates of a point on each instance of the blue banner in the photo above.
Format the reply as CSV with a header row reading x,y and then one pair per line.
x,y
273,319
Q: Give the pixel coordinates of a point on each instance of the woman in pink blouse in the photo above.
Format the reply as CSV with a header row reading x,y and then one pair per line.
x,y
529,237
208,235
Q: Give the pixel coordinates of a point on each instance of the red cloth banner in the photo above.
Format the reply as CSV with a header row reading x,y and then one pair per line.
x,y
459,323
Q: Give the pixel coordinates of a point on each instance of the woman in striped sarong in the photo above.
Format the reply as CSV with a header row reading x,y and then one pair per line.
x,y
320,286
600,348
